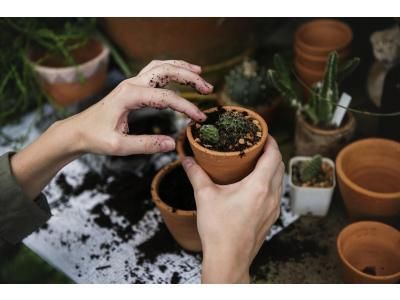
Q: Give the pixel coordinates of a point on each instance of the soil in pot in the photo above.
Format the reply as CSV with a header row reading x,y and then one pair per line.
x,y
176,191
237,131
324,179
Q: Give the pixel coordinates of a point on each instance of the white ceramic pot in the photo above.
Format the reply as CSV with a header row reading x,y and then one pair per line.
x,y
310,200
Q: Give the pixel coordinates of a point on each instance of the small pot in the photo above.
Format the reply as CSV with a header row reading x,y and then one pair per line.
x,y
369,179
183,146
322,36
181,223
368,248
267,111
311,140
63,84
229,167
310,200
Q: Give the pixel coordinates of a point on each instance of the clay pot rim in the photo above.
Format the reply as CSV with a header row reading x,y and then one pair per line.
x,y
156,197
93,61
326,132
313,72
322,59
304,158
363,224
254,115
342,175
316,23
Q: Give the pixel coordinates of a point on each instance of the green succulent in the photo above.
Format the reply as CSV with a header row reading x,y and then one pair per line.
x,y
247,84
311,169
209,134
233,123
325,95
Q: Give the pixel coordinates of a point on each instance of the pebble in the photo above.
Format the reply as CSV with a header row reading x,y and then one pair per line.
x,y
241,141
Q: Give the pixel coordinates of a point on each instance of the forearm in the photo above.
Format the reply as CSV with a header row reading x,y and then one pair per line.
x,y
36,165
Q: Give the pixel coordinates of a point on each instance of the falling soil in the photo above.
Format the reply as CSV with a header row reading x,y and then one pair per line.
x,y
323,180
175,190
229,142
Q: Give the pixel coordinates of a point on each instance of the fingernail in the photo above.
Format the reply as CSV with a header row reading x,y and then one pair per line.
x,y
195,68
187,162
209,86
202,116
167,145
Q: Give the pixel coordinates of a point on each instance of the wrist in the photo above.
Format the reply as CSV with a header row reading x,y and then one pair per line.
x,y
221,265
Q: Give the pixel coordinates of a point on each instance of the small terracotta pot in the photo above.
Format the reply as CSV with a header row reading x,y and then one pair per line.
x,y
317,62
63,84
369,179
181,223
267,111
310,140
229,167
368,248
322,36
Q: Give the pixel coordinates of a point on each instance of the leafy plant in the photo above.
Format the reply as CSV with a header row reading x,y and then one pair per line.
x,y
311,169
247,84
324,94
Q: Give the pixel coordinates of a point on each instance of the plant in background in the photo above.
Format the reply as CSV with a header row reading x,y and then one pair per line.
x,y
311,169
247,84
324,94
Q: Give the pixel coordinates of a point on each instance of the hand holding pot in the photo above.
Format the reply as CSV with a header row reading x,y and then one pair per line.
x,y
103,127
233,220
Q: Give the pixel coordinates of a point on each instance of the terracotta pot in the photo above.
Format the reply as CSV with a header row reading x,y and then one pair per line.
x,y
369,179
183,146
310,140
322,36
63,84
181,223
368,248
267,111
317,62
203,41
229,167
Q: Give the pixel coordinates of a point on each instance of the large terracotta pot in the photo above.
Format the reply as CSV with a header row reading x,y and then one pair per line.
x,y
203,41
369,252
67,85
368,174
311,140
181,223
229,167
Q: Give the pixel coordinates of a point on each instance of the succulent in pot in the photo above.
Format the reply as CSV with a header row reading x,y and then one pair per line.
x,y
247,85
315,130
312,182
173,195
228,144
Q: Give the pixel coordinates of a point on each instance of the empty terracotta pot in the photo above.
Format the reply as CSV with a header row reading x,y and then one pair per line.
x,y
181,223
322,36
368,174
307,75
229,167
370,253
310,140
69,84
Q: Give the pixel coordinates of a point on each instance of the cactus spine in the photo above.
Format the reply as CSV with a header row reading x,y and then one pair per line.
x,y
209,134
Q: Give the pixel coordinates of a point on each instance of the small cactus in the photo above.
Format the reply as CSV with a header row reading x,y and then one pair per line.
x,y
209,134
311,169
247,84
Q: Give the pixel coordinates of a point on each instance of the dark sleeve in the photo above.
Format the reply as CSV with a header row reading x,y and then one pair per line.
x,y
19,216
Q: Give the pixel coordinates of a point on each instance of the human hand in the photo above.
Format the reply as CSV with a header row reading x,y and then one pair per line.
x,y
103,127
233,220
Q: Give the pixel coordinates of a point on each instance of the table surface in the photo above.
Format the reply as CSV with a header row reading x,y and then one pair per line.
x,y
77,241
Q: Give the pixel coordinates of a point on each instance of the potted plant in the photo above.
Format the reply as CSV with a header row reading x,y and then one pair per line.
x,y
228,144
246,85
69,63
312,182
173,195
369,179
369,253
315,131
